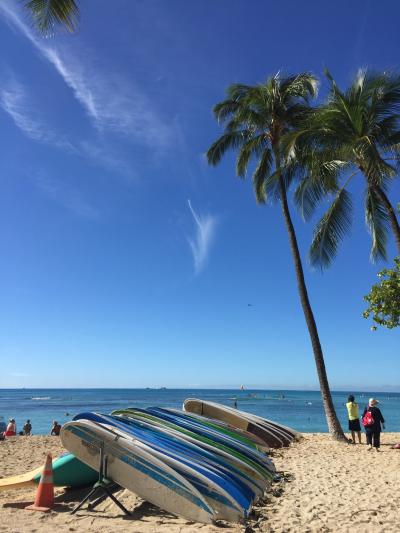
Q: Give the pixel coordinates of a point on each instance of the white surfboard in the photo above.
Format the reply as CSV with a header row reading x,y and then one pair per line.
x,y
272,433
135,469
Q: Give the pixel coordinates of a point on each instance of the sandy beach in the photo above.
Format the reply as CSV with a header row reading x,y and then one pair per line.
x,y
324,486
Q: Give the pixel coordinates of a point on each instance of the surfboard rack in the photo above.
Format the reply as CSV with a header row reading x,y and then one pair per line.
x,y
103,485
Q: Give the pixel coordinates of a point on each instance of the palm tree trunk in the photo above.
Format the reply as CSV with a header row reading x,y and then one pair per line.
x,y
333,422
391,213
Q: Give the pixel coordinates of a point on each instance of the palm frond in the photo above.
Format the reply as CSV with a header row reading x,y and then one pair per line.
x,y
331,229
237,91
334,87
246,117
309,193
260,175
271,189
303,85
253,147
226,142
377,220
47,14
395,140
375,168
384,131
385,90
225,109
320,176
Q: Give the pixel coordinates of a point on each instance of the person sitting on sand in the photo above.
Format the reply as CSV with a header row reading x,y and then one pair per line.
x,y
373,431
55,430
11,430
354,419
27,428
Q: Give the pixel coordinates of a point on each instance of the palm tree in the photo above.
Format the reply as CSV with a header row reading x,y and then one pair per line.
x,y
47,14
356,133
256,120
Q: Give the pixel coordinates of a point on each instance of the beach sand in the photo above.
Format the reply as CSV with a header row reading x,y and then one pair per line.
x,y
325,486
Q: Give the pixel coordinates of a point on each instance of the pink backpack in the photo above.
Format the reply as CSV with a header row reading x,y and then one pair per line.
x,y
368,419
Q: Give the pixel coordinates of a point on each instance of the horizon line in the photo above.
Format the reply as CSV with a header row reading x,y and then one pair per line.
x,y
391,388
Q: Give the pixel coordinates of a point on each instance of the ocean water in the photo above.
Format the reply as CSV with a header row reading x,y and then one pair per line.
x,y
301,410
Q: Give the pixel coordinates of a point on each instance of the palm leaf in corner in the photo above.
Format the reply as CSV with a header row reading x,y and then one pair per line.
x,y
47,14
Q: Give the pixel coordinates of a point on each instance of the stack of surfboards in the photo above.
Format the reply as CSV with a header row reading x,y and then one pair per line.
x,y
202,469
271,434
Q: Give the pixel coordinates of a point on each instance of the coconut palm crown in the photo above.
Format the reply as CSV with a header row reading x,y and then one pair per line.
x,y
355,134
256,119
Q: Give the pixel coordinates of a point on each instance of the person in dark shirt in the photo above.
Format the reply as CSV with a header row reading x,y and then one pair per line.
x,y
27,429
373,431
55,430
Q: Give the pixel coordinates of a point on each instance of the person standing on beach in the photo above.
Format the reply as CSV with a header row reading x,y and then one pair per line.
x,y
354,419
373,422
55,430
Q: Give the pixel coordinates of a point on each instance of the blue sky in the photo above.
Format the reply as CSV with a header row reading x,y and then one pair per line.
x,y
125,260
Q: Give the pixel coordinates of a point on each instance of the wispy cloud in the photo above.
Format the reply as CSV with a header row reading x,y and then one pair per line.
x,y
66,196
15,102
111,101
362,27
201,244
101,155
18,104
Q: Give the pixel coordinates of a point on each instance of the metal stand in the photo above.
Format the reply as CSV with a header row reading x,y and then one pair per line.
x,y
104,485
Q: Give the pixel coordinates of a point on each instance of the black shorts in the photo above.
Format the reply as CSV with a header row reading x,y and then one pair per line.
x,y
354,425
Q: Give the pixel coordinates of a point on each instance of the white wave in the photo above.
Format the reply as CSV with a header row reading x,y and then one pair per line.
x,y
41,398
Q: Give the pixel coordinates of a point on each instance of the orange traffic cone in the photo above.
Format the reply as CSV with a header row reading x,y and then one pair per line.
x,y
44,499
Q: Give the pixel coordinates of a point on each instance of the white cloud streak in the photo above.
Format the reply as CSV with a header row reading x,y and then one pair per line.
x,y
101,155
65,196
15,102
201,244
111,102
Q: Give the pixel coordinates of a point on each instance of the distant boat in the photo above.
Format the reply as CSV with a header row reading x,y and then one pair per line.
x,y
241,387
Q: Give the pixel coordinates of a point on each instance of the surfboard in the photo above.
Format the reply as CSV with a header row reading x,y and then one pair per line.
x,y
227,428
136,469
68,471
273,434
